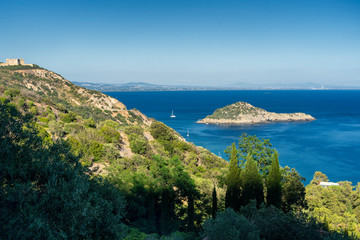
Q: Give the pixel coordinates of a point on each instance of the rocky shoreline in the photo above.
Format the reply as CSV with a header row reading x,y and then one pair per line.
x,y
245,113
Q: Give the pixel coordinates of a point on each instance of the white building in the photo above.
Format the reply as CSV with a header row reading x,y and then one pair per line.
x,y
327,184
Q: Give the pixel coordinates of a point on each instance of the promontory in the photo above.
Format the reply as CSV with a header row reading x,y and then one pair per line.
x,y
245,113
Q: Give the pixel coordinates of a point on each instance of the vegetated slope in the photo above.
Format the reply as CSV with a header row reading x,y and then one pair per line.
x,y
245,113
108,138
167,182
48,91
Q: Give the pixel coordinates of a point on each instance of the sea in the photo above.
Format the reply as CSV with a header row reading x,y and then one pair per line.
x,y
330,144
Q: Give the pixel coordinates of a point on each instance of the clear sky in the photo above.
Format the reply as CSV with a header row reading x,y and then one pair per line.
x,y
189,42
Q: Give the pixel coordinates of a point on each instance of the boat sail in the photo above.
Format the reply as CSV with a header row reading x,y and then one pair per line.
x,y
172,114
188,134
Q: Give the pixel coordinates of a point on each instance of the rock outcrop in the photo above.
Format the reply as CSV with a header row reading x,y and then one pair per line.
x,y
245,113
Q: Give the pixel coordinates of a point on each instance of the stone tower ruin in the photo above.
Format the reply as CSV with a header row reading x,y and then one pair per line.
x,y
15,62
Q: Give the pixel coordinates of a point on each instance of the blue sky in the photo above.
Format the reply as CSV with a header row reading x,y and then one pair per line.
x,y
197,42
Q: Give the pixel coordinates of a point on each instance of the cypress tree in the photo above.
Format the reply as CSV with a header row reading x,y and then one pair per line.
x,y
252,183
190,211
151,226
214,203
165,217
233,181
273,183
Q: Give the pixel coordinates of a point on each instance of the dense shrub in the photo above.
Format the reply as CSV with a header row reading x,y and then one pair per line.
x,y
44,191
110,134
12,92
134,129
69,117
139,144
231,226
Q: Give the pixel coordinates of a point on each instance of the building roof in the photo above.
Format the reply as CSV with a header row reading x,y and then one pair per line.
x,y
326,184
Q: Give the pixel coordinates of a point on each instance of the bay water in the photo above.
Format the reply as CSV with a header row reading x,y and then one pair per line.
x,y
331,144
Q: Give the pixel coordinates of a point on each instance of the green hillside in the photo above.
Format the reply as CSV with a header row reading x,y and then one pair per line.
x,y
77,164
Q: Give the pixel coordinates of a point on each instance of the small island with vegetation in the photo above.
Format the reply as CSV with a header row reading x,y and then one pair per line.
x,y
245,113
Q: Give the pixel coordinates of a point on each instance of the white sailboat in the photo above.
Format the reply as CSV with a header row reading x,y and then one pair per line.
x,y
172,114
188,134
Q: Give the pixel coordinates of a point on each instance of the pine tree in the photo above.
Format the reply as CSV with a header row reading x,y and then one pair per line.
x,y
273,183
214,203
233,181
252,183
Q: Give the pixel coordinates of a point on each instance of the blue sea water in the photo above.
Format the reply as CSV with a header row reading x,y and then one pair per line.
x,y
331,144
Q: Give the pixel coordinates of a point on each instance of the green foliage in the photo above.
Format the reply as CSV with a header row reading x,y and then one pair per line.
x,y
45,193
338,207
110,134
61,107
111,123
252,183
214,203
96,149
231,226
273,184
134,129
234,110
319,177
155,195
73,128
21,103
34,110
268,223
90,123
293,190
69,117
161,132
260,150
233,182
138,144
12,92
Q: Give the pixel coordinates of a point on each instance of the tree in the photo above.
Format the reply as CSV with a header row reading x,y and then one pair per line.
x,y
214,203
252,183
260,150
319,177
273,183
293,190
233,182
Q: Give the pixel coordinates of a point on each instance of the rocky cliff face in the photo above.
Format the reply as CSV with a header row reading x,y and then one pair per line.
x,y
245,113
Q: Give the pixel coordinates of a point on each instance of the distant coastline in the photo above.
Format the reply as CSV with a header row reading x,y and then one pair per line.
x,y
148,87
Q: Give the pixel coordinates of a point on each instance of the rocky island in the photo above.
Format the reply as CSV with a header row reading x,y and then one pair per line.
x,y
245,113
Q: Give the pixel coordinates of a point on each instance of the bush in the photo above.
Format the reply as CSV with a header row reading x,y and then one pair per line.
x,y
161,132
111,123
139,145
12,92
230,225
69,117
110,134
134,129
90,123
96,149
73,128
34,110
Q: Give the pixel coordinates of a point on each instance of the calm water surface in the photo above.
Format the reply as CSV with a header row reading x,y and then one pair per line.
x,y
330,144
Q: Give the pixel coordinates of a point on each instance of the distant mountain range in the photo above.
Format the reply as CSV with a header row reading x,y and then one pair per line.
x,y
142,86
